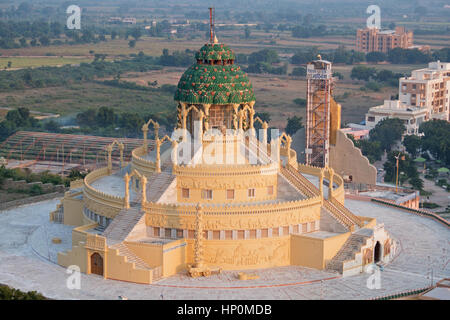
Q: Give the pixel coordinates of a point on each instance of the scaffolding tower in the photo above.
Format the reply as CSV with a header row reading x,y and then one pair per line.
x,y
319,83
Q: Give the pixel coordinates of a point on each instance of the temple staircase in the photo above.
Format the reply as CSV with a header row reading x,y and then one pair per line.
x,y
348,251
130,256
338,211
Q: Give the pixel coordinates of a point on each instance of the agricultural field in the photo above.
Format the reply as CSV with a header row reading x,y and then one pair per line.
x,y
39,61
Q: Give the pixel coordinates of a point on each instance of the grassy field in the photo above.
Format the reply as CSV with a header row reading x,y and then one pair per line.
x,y
25,62
71,100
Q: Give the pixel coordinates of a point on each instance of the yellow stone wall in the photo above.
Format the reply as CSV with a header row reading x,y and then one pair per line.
x,y
348,160
73,211
313,252
218,178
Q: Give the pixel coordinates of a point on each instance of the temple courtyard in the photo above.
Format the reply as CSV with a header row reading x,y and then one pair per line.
x,y
28,262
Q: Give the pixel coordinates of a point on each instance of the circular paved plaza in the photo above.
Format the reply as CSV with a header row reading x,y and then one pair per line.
x,y
27,262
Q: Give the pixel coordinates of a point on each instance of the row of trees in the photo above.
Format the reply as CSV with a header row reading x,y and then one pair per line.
x,y
106,121
381,138
408,56
435,139
58,76
384,77
339,55
395,56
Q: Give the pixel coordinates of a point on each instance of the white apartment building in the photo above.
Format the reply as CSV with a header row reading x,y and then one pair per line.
x,y
428,88
411,116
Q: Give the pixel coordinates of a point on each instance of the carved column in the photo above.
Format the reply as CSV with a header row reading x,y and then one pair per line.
x,y
126,203
252,121
158,155
206,115
144,190
109,151
265,125
198,245
288,147
144,133
121,148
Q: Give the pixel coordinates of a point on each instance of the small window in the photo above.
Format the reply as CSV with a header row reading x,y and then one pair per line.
x,y
270,190
191,234
207,194
230,194
228,234
216,235
168,232
264,233
185,193
156,232
371,119
179,233
252,234
251,193
241,234
275,232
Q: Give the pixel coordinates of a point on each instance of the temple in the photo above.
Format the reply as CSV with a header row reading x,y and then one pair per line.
x,y
223,192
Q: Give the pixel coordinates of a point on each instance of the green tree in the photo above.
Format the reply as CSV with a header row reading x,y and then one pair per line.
x,y
293,125
387,132
412,144
436,139
363,73
132,43
105,116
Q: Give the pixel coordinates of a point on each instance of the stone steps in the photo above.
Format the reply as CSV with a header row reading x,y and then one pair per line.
x,y
123,223
347,253
131,257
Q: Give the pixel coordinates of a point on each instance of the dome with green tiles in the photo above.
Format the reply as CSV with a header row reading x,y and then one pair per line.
x,y
214,79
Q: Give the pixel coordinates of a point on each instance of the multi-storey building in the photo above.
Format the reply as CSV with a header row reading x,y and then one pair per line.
x,y
428,88
412,117
372,39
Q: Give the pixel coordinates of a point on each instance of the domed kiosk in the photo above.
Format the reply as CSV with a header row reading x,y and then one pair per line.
x,y
215,195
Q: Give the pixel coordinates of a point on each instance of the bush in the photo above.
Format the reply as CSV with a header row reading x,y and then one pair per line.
x,y
7,293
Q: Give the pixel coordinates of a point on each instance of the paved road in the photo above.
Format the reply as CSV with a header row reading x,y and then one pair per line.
x,y
26,252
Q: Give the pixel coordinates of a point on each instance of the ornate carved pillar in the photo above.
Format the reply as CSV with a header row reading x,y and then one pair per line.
x,y
198,245
158,155
235,115
144,190
144,134
109,151
121,148
288,147
241,118
126,203
252,122
265,125
206,115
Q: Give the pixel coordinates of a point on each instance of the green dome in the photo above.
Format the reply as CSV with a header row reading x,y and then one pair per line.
x,y
215,51
221,82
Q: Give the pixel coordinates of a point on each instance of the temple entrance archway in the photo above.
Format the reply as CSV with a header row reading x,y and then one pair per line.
x,y
377,252
97,264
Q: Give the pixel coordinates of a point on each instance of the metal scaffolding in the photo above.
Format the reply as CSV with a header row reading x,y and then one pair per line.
x,y
319,83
